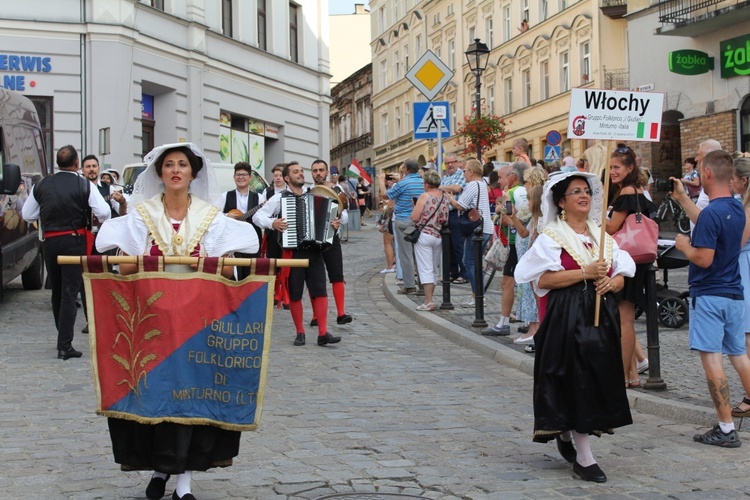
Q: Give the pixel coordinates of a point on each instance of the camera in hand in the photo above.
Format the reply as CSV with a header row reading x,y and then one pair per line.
x,y
663,185
508,207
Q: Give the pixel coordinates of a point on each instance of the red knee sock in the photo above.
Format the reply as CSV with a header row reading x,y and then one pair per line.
x,y
339,295
295,307
320,308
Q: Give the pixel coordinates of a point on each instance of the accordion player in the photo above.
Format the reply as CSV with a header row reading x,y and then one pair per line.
x,y
309,218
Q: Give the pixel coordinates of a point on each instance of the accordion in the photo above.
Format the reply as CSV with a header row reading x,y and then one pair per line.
x,y
309,219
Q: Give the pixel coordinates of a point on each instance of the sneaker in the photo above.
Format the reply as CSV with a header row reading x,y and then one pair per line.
x,y
399,281
426,307
469,303
300,340
717,438
524,340
496,331
531,349
642,366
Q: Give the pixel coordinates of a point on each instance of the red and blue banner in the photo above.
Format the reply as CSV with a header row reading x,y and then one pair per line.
x,y
186,348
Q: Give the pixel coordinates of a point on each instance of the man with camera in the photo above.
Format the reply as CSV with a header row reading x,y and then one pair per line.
x,y
403,193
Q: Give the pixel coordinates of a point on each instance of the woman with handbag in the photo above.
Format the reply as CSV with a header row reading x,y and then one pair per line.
x,y
629,199
475,205
429,215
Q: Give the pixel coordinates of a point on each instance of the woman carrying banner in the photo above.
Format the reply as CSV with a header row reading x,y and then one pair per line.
x,y
578,388
171,217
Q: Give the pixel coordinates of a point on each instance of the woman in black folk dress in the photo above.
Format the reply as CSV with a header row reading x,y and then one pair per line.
x,y
578,374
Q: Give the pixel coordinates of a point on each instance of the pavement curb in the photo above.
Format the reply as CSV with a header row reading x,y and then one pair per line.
x,y
649,403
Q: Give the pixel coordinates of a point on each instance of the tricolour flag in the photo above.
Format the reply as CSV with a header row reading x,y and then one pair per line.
x,y
648,130
188,348
360,172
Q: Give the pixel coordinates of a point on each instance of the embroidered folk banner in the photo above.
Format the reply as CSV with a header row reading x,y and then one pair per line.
x,y
188,348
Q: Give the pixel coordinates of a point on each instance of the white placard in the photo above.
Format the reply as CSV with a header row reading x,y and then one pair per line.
x,y
615,115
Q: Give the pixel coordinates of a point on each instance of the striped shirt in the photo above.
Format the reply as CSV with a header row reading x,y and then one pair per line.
x,y
457,178
403,192
481,203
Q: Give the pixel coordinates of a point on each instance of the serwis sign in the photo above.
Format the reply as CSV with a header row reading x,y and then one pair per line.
x,y
735,56
611,114
690,62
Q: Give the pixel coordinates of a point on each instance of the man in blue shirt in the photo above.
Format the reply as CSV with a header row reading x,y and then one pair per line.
x,y
404,193
717,307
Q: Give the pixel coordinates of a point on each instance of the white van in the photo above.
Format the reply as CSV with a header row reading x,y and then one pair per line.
x,y
23,165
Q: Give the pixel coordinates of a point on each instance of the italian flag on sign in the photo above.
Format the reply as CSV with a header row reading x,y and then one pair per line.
x,y
648,130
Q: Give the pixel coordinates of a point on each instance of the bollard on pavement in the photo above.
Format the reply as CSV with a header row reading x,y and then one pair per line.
x,y
478,239
654,381
446,242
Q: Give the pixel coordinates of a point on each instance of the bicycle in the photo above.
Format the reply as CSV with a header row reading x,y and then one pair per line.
x,y
678,215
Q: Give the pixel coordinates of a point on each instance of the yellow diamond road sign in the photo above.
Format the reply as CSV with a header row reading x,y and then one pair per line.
x,y
429,75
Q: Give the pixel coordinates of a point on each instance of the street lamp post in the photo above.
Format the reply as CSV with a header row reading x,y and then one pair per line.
x,y
477,55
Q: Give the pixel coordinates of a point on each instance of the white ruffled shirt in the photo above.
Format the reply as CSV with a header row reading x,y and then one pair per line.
x,y
223,236
544,255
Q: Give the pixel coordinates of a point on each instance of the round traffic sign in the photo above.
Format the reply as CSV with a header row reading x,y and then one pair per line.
x,y
553,138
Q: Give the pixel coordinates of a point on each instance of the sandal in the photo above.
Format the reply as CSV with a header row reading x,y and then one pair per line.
x,y
460,281
634,384
738,412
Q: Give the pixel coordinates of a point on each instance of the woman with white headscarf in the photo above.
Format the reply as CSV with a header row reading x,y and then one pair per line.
x,y
578,371
171,217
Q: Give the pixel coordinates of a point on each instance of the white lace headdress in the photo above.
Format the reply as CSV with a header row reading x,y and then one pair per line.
x,y
149,184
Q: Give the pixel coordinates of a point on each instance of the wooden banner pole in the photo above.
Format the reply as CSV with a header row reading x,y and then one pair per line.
x,y
603,232
228,261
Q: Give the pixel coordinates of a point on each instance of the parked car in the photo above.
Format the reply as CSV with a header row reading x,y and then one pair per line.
x,y
24,163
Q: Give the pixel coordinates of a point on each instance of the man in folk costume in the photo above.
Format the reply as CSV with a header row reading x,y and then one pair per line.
x,y
272,242
332,255
239,204
64,202
314,275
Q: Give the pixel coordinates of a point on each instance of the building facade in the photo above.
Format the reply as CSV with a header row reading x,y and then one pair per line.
x,y
244,79
531,69
351,121
350,43
699,57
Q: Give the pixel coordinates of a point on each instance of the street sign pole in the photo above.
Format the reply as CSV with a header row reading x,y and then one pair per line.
x,y
439,145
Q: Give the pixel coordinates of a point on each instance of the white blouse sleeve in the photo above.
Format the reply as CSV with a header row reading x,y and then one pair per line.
x,y
128,233
622,262
542,256
226,235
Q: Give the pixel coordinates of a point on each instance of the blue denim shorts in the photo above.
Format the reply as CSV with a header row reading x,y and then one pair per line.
x,y
717,324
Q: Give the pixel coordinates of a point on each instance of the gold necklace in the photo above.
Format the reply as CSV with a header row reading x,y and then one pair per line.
x,y
177,239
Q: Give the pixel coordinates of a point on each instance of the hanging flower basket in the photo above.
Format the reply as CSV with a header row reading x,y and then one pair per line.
x,y
486,132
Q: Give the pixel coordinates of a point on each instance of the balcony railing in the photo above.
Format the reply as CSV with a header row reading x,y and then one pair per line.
x,y
683,11
617,79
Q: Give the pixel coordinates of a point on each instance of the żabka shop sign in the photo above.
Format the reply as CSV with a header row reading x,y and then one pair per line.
x,y
16,63
735,56
612,114
690,62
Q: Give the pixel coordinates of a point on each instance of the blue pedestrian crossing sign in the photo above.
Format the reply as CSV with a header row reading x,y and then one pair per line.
x,y
428,116
551,153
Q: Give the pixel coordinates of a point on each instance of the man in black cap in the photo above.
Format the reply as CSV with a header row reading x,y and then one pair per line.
x,y
63,203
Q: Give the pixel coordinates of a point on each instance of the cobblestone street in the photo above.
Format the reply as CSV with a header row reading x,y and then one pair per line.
x,y
396,407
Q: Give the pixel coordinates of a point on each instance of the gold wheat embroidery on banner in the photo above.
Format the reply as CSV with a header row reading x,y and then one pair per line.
x,y
137,336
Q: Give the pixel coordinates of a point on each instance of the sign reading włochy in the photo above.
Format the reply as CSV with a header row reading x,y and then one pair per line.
x,y
612,114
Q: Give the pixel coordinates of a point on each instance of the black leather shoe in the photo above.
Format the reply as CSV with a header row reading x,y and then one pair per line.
x,y
328,339
590,473
300,340
86,330
69,353
313,322
566,449
156,487
186,496
344,319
